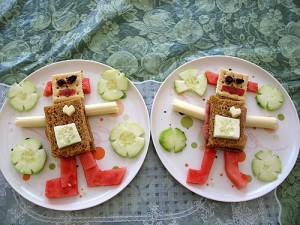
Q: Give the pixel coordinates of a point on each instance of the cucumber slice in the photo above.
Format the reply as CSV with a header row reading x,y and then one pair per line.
x,y
269,98
191,81
126,139
28,157
172,139
266,166
112,85
23,96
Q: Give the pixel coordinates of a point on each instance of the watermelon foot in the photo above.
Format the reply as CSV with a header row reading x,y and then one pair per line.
x,y
95,176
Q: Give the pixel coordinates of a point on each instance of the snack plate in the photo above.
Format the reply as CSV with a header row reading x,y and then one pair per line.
x,y
284,141
132,108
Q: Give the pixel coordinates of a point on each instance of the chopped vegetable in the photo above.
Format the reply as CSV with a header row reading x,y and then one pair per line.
x,y
172,139
212,78
126,139
191,81
240,180
200,176
266,166
23,96
86,86
48,89
269,97
233,90
95,176
28,157
112,85
252,86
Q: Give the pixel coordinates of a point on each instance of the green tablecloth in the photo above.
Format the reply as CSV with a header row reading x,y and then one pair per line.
x,y
147,40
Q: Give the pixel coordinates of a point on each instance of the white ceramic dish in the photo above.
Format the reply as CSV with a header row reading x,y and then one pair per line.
x,y
34,188
283,142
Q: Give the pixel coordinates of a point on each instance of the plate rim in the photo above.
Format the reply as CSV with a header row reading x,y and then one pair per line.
x,y
190,187
58,207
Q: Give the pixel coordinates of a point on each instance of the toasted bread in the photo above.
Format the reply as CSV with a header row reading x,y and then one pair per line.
x,y
221,106
75,86
56,117
234,75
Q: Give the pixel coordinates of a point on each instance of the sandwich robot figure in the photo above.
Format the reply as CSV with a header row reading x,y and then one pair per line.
x,y
69,133
223,128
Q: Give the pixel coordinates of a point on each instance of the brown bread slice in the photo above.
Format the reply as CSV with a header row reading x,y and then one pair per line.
x,y
221,106
55,117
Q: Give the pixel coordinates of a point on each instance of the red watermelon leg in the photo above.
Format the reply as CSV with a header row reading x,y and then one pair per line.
x,y
232,159
95,176
66,185
200,176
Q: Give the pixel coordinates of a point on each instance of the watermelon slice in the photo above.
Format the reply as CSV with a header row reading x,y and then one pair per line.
x,y
252,86
68,172
95,176
200,176
86,85
212,78
48,89
55,190
87,160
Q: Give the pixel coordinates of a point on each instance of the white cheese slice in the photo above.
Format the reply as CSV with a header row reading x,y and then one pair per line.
x,y
235,112
225,127
69,110
66,135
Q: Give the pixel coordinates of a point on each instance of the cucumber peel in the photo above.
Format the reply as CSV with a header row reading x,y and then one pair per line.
x,y
266,166
28,157
126,139
172,139
23,96
112,85
269,97
191,81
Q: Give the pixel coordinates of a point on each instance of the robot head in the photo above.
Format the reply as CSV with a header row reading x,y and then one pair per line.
x,y
232,85
67,86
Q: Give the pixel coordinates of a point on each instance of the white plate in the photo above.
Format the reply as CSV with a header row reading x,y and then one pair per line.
x,y
284,141
33,189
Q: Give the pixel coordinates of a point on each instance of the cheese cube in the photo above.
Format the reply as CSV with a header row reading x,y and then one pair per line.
x,y
225,127
66,135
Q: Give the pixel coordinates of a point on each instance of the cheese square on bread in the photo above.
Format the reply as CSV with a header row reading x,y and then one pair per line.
x,y
232,140
55,117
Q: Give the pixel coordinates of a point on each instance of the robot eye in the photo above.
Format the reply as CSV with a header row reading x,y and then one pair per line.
x,y
229,79
71,79
239,81
61,82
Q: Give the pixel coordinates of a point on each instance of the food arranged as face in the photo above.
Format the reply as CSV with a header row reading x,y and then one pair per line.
x,y
232,85
67,86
